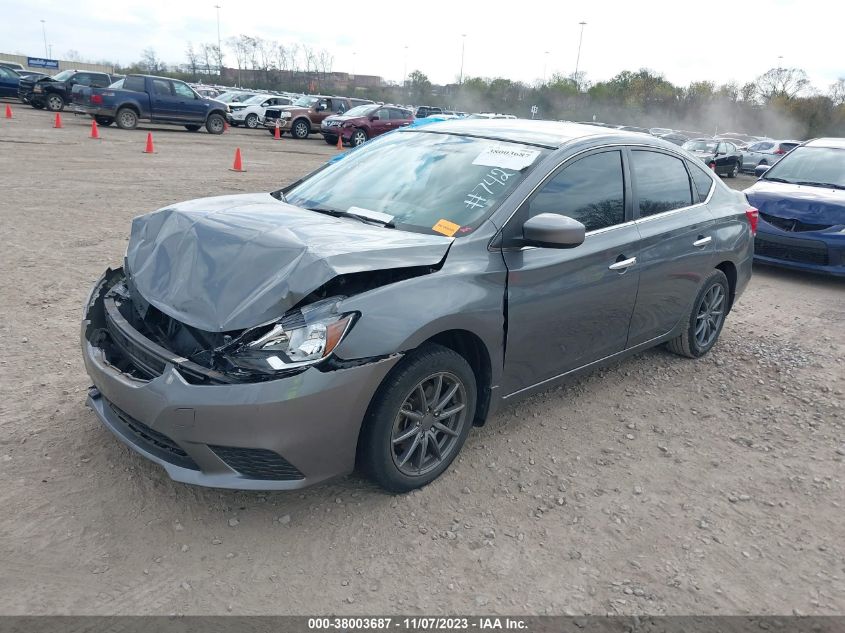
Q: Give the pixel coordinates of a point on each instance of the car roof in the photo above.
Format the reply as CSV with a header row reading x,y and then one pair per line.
x,y
551,134
831,142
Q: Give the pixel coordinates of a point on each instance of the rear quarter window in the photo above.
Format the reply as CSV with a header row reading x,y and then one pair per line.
x,y
135,84
702,180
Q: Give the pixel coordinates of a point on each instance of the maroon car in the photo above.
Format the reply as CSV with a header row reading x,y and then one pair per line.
x,y
361,123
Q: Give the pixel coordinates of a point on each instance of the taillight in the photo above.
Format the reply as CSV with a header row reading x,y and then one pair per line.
x,y
753,217
779,152
97,99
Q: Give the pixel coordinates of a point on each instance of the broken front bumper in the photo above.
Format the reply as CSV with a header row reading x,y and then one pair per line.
x,y
274,435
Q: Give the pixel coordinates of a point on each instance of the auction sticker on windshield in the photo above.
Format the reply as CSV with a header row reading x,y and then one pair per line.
x,y
506,157
446,228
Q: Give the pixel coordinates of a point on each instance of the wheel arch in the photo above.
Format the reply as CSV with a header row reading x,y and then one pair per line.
x,y
729,270
132,106
302,118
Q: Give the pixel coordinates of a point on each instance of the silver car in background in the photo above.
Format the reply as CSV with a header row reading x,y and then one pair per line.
x,y
373,312
765,153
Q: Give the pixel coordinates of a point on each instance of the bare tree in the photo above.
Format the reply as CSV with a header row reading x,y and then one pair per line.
x,y
836,92
782,83
193,59
150,61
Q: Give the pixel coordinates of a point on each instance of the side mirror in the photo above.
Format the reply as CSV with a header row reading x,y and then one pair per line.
x,y
760,170
552,230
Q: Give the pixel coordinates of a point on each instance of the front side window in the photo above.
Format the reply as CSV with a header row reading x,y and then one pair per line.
x,y
590,190
662,182
382,114
182,90
430,183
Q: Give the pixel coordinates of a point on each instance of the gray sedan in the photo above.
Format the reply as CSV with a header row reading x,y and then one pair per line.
x,y
765,153
372,313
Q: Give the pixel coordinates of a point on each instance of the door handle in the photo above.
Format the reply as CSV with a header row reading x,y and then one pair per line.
x,y
625,264
702,241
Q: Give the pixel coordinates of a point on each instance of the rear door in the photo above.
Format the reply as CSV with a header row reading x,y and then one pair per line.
x,y
676,248
567,308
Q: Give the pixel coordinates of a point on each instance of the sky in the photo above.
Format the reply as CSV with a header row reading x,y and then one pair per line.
x,y
685,41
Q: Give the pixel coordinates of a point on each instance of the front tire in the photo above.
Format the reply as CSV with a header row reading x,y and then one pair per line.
x,y
215,124
193,128
359,137
251,121
105,121
301,129
127,119
418,419
734,172
55,102
706,319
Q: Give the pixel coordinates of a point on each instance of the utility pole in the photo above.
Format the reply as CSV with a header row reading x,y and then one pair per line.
x,y
219,46
44,33
545,63
463,48
578,57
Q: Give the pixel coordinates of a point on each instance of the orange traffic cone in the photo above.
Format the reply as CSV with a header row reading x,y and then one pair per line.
x,y
339,141
238,164
8,111
225,126
277,133
149,149
58,122
95,131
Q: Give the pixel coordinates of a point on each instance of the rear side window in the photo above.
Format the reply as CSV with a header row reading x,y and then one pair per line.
x,y
399,115
662,182
702,180
100,81
135,84
161,87
788,146
590,190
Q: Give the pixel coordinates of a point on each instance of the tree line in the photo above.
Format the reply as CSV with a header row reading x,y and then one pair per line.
x,y
780,102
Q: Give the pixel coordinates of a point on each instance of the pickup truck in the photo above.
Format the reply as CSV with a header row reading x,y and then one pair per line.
x,y
304,116
54,93
154,99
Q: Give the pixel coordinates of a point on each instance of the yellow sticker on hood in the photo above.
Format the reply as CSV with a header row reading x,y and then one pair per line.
x,y
445,227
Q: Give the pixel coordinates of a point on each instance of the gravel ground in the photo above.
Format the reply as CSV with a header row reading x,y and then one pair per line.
x,y
659,485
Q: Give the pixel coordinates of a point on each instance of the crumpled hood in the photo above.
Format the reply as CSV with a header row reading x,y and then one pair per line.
x,y
233,262
813,205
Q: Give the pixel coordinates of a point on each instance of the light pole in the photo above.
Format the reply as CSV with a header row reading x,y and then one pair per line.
x,y
463,48
578,57
44,33
545,63
219,47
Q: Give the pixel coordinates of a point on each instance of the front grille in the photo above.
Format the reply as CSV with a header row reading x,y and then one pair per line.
x,y
790,225
792,250
332,123
270,113
257,463
149,365
156,443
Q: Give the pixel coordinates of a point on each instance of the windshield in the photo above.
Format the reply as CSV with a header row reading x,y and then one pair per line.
x,y
305,102
232,97
361,110
62,76
700,146
430,183
810,166
256,99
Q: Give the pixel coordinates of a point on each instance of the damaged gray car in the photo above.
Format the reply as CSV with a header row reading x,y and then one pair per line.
x,y
371,313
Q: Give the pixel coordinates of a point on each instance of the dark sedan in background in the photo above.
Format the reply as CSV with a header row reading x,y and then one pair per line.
x,y
801,201
723,157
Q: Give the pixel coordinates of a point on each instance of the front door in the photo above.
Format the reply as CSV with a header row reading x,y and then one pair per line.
x,y
567,308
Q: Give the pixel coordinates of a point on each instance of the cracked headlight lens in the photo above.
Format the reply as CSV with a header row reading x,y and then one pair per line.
x,y
302,337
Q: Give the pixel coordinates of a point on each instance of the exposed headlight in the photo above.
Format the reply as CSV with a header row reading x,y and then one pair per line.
x,y
285,115
301,338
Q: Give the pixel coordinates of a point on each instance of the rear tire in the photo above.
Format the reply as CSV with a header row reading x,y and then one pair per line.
x,y
37,105
215,124
389,433
734,172
126,118
193,128
330,140
55,102
105,121
703,325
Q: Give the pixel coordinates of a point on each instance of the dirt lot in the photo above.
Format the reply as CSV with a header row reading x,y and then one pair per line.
x,y
660,485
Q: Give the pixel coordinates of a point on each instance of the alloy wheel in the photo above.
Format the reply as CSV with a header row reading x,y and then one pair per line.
x,y
55,102
428,424
711,313
359,138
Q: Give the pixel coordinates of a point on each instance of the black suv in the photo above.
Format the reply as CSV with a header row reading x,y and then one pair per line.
x,y
54,92
424,111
